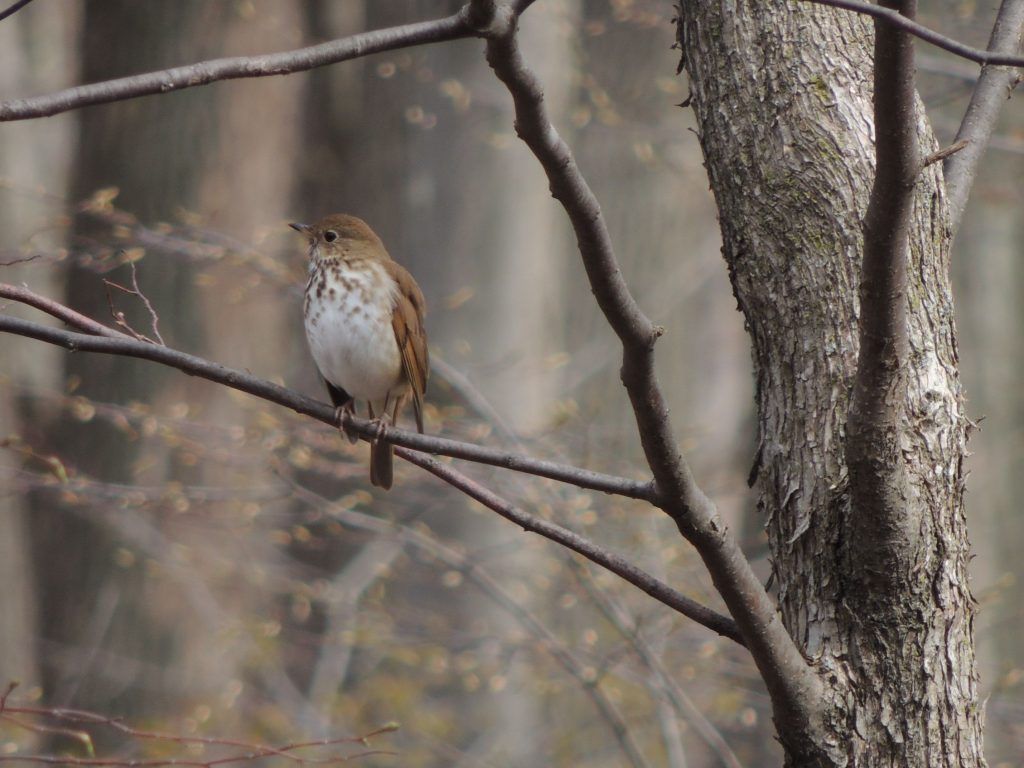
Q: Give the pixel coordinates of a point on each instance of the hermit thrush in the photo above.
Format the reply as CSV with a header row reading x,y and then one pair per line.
x,y
364,323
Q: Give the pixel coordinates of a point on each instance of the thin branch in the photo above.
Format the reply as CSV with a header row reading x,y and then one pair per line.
x,y
341,606
945,152
124,345
879,530
13,9
618,565
120,344
793,686
894,19
205,72
682,704
22,260
58,310
492,588
991,92
250,753
154,318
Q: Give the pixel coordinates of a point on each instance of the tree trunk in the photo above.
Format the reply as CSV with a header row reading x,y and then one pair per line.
x,y
782,95
30,162
153,151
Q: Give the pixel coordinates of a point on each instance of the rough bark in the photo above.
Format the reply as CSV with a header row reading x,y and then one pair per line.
x,y
783,100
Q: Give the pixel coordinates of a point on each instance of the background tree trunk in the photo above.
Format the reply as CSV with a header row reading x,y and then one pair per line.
x,y
35,161
154,152
782,96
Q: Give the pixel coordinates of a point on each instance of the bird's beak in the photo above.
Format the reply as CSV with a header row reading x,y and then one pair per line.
x,y
303,228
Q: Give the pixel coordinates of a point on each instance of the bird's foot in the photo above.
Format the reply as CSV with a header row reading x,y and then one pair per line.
x,y
382,427
342,414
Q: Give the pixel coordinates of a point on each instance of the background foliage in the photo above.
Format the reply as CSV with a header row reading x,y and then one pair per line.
x,y
203,563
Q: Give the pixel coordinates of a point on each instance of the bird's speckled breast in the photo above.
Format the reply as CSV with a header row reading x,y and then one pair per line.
x,y
348,309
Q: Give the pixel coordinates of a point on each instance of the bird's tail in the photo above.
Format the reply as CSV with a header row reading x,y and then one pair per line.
x,y
381,464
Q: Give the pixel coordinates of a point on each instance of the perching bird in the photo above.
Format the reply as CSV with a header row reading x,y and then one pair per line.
x,y
364,323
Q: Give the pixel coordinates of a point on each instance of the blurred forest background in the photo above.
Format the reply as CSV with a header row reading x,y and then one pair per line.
x,y
199,562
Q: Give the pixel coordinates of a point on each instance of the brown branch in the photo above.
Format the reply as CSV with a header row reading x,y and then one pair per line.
x,y
58,310
22,260
618,565
991,92
492,588
250,751
124,345
880,532
683,706
793,686
941,154
13,9
119,317
887,13
205,72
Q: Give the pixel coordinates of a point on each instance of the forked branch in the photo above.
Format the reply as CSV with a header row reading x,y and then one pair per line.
x,y
794,688
991,93
110,341
891,16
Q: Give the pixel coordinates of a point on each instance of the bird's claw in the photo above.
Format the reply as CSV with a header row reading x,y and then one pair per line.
x,y
342,414
382,427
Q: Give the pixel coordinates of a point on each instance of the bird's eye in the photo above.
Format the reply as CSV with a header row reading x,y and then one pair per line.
x,y
330,235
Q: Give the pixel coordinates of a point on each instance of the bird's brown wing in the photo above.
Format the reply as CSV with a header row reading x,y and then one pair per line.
x,y
407,321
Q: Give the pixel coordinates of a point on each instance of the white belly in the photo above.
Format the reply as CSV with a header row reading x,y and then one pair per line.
x,y
352,341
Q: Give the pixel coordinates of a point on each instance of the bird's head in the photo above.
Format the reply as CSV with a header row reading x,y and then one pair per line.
x,y
341,236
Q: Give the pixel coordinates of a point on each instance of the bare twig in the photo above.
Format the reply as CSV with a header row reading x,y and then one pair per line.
x,y
22,260
990,94
793,686
250,752
119,317
881,532
942,154
481,12
492,588
205,72
683,705
886,13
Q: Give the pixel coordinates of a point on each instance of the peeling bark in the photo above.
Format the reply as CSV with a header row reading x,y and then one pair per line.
x,y
783,99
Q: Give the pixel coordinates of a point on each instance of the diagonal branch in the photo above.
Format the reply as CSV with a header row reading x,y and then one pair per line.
x,y
206,72
618,565
887,13
492,588
991,92
124,345
881,533
605,707
55,309
794,688
121,344
13,9
616,615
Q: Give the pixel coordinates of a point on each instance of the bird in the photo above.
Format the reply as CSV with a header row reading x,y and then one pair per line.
x,y
364,319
